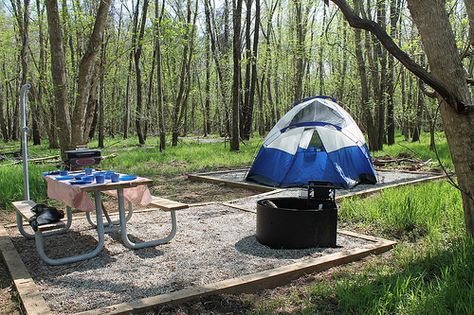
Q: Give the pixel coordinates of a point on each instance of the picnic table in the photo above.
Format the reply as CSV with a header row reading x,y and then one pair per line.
x,y
77,196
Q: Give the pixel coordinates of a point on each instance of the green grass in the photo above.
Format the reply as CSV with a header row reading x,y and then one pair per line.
x,y
188,156
11,184
429,279
429,272
420,150
409,212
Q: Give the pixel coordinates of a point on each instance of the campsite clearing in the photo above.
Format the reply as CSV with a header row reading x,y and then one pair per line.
x,y
209,251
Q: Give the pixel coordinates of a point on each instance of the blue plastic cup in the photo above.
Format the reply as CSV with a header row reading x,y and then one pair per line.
x,y
115,177
88,171
88,178
108,174
63,172
99,179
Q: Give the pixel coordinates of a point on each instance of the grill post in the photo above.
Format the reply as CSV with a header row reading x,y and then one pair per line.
x,y
24,140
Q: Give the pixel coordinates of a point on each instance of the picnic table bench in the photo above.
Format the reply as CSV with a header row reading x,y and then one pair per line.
x,y
166,204
24,209
23,212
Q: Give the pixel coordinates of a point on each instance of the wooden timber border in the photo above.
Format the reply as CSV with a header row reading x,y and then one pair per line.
x,y
30,296
34,303
208,178
265,279
363,193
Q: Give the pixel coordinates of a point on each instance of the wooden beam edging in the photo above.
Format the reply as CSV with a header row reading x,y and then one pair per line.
x,y
406,171
365,193
227,204
268,193
213,180
248,283
30,296
222,172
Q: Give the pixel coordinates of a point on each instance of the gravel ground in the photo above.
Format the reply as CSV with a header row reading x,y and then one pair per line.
x,y
384,178
213,243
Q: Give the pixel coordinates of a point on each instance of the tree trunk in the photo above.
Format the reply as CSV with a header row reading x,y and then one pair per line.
x,y
183,91
394,15
207,103
159,76
24,70
149,100
101,111
439,45
138,72
299,53
222,73
381,55
3,126
236,93
321,54
248,62
253,82
86,73
251,71
127,109
342,82
58,74
420,106
47,112
469,4
90,118
364,85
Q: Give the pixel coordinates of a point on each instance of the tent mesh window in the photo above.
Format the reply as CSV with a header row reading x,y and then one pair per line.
x,y
316,141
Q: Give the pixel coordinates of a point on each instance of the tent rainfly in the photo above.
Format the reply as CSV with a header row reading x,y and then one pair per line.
x,y
317,140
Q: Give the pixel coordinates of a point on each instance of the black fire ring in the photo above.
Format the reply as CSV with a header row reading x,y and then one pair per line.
x,y
296,223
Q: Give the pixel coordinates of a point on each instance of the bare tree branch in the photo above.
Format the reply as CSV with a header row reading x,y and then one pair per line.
x,y
385,39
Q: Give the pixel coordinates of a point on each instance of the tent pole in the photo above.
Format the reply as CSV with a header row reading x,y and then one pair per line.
x,y
24,144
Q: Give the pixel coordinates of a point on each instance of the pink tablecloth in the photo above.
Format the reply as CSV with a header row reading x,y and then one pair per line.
x,y
72,196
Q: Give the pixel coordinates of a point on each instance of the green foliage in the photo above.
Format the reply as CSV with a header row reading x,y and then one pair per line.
x,y
11,183
420,150
431,276
408,212
188,156
430,279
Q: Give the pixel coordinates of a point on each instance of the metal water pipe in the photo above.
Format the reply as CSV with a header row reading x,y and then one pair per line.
x,y
24,139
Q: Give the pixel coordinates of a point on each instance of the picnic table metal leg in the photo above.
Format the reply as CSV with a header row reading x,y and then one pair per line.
x,y
107,217
72,259
21,228
123,227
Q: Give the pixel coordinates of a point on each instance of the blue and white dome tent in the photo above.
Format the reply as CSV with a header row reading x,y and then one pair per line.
x,y
317,140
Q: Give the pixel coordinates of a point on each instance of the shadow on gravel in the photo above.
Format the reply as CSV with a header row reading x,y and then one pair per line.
x,y
250,246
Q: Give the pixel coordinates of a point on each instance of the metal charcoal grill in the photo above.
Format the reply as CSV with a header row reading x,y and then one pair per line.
x,y
80,158
293,223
